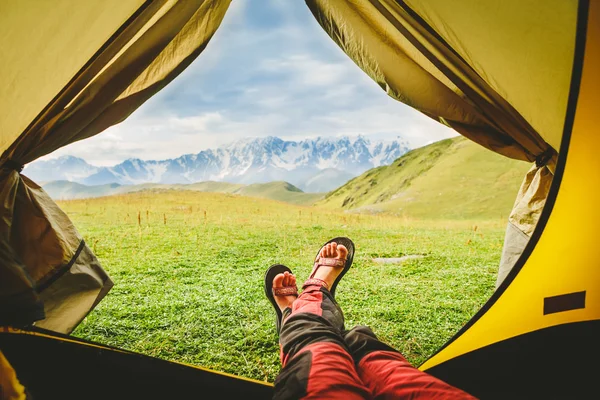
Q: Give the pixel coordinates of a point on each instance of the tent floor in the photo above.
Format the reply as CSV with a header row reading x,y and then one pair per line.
x,y
559,362
63,367
556,362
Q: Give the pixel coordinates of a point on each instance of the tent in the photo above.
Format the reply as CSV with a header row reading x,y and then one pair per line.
x,y
520,77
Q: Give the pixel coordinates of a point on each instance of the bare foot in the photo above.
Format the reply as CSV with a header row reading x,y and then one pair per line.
x,y
331,250
284,280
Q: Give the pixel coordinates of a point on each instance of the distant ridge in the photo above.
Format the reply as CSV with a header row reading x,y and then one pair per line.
x,y
281,191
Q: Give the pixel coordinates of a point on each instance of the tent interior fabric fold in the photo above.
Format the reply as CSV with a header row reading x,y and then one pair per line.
x,y
416,66
511,76
136,51
522,50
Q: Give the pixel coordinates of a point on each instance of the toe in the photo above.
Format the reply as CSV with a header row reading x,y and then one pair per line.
x,y
278,280
324,251
330,251
283,280
342,252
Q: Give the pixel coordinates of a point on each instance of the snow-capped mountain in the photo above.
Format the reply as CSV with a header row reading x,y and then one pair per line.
x,y
257,160
66,168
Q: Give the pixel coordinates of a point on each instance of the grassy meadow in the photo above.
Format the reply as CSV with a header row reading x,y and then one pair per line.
x,y
188,271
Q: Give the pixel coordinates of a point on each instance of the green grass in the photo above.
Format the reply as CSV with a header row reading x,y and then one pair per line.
x,y
191,290
450,179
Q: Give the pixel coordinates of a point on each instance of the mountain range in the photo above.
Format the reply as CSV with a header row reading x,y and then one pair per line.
x,y
451,179
313,165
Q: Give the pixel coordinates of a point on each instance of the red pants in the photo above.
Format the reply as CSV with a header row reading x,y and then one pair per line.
x,y
321,360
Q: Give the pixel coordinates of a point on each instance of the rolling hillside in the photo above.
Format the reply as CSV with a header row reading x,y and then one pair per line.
x,y
62,190
281,191
453,179
208,186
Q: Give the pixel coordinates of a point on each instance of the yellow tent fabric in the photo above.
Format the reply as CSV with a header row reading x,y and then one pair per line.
x,y
34,69
494,71
417,66
523,49
73,69
19,302
10,387
524,217
564,261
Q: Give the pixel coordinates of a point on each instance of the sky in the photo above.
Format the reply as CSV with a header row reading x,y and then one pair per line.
x,y
270,70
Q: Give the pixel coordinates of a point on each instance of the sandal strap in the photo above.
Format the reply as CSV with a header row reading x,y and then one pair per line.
x,y
330,262
285,291
326,262
315,281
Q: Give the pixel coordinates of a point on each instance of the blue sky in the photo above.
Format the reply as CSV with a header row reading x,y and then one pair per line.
x,y
270,70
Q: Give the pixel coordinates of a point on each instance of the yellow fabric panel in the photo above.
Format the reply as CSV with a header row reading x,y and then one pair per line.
x,y
69,299
19,303
414,66
531,199
168,36
45,43
153,19
200,29
45,243
379,21
522,48
565,260
10,387
41,234
524,217
390,59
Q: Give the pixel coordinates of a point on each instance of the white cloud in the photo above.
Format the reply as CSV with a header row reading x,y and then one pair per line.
x,y
275,73
195,124
307,70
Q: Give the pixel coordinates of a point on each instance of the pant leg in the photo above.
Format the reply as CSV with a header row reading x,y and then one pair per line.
x,y
388,375
316,363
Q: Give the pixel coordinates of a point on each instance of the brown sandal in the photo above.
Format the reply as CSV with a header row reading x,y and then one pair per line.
x,y
333,263
271,292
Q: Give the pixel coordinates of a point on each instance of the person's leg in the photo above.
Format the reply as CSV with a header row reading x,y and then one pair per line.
x,y
315,360
388,375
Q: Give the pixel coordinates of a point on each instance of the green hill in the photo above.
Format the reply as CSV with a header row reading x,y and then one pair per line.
x,y
62,190
212,186
450,179
281,191
208,186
